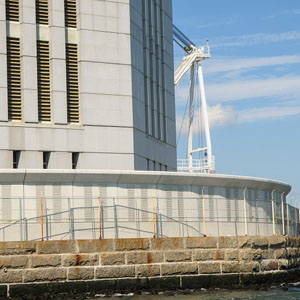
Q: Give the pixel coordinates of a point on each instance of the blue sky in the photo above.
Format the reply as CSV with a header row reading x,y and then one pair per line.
x,y
252,84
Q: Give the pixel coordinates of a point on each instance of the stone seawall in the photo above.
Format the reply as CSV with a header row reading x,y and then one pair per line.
x,y
32,269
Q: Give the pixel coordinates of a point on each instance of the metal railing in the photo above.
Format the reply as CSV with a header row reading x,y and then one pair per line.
x,y
103,217
69,224
197,165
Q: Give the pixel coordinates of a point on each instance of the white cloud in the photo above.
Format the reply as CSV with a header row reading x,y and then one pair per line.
x,y
229,64
263,113
254,39
286,87
218,116
277,87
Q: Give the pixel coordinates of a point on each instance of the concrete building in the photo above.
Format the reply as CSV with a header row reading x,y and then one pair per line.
x,y
87,84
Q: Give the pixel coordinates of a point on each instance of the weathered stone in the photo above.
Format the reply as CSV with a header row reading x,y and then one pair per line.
x,y
80,260
231,254
283,264
38,261
292,252
178,256
249,267
201,242
279,253
277,241
230,267
45,274
143,257
112,258
10,276
206,254
250,254
209,267
292,242
17,248
56,247
167,244
94,246
147,270
267,254
81,273
131,244
253,242
179,268
14,261
269,265
115,272
228,242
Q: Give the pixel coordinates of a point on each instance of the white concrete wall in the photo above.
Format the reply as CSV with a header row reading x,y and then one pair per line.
x,y
111,133
175,196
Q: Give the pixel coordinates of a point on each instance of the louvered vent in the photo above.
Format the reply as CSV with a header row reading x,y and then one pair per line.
x,y
42,15
43,72
72,83
12,10
70,13
14,79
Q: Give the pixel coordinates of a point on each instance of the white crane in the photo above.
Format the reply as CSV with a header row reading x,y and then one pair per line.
x,y
192,62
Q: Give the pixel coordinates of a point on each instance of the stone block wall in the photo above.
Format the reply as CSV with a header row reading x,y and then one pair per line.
x,y
152,264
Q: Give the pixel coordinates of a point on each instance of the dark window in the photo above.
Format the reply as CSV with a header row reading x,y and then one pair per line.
x,y
166,168
148,164
16,159
75,156
46,158
160,167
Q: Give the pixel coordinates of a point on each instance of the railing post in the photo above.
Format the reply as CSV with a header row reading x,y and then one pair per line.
x,y
203,211
26,229
116,221
282,214
161,230
288,219
153,218
273,212
71,224
21,219
47,224
42,218
100,218
102,222
245,213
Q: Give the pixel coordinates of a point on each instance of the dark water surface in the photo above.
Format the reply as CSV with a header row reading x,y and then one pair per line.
x,y
292,293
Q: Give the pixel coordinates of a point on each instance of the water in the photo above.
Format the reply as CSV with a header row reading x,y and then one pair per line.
x,y
293,293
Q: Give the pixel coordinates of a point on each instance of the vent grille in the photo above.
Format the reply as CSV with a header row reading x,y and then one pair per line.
x,y
42,15
43,73
14,79
12,10
70,13
72,83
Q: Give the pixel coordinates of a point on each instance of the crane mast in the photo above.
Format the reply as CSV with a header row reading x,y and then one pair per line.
x,y
192,63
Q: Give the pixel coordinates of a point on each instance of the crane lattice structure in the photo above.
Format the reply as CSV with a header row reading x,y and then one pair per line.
x,y
192,62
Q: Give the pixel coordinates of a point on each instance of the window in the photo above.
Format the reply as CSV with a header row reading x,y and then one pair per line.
x,y
43,75
12,10
46,158
16,159
148,164
42,12
75,156
14,79
70,13
72,83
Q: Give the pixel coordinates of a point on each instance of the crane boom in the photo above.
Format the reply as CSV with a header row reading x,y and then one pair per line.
x,y
192,61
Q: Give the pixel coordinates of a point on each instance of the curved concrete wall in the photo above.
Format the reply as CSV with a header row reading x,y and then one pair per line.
x,y
184,204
